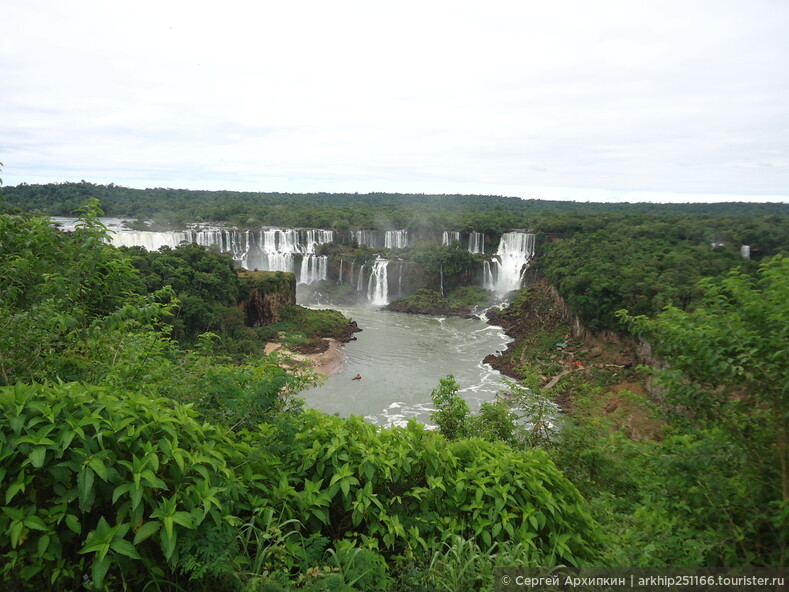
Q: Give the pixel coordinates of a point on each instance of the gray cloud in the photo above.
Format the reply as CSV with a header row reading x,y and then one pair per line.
x,y
568,99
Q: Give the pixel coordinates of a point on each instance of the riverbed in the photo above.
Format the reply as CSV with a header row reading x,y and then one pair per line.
x,y
401,358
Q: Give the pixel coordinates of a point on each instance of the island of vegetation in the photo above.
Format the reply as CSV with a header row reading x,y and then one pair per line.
x,y
148,441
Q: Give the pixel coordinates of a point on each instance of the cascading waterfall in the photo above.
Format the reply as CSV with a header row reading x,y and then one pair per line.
x,y
350,279
151,241
313,269
449,237
441,272
360,280
504,272
368,238
271,249
378,284
339,281
400,280
396,239
476,243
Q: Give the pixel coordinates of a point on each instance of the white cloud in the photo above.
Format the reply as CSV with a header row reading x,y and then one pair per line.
x,y
566,98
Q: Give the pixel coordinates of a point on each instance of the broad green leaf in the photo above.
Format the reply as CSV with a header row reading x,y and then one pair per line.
x,y
124,547
73,523
13,489
99,570
37,456
35,523
184,519
43,544
168,544
136,496
98,466
146,530
85,487
16,533
120,490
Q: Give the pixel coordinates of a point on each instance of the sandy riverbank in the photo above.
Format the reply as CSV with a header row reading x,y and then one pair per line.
x,y
329,361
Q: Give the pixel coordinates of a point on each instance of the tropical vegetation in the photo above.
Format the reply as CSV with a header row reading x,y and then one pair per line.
x,y
146,442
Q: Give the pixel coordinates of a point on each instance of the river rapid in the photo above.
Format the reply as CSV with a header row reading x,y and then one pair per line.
x,y
401,358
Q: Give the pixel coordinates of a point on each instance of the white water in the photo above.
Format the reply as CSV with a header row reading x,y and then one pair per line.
x,y
368,238
476,243
504,273
378,285
270,249
313,269
396,239
401,358
449,237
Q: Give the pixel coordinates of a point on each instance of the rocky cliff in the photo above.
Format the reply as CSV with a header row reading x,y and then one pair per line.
x,y
270,292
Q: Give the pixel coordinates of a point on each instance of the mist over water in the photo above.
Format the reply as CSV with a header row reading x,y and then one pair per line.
x,y
401,358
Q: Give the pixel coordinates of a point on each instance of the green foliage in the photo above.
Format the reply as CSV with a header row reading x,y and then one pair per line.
x,y
729,376
631,264
735,343
116,479
470,296
67,305
451,409
106,484
206,284
269,281
239,396
303,325
437,258
490,214
352,568
132,487
403,490
519,417
425,301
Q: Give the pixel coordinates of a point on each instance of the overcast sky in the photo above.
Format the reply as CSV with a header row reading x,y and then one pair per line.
x,y
591,100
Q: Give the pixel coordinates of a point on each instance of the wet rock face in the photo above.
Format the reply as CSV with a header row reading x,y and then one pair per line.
x,y
269,294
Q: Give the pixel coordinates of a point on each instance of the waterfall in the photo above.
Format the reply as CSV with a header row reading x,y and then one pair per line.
x,y
745,251
487,276
449,237
150,241
400,281
271,249
313,269
378,285
367,237
396,239
505,271
350,279
360,280
339,281
441,272
476,243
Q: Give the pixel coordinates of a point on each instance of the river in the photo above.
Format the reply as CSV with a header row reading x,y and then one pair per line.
x,y
401,358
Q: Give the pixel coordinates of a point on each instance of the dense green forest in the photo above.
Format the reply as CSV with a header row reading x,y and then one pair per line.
x,y
483,213
602,257
146,443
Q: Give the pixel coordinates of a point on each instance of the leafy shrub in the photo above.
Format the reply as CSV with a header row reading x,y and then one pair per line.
x,y
404,490
107,484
